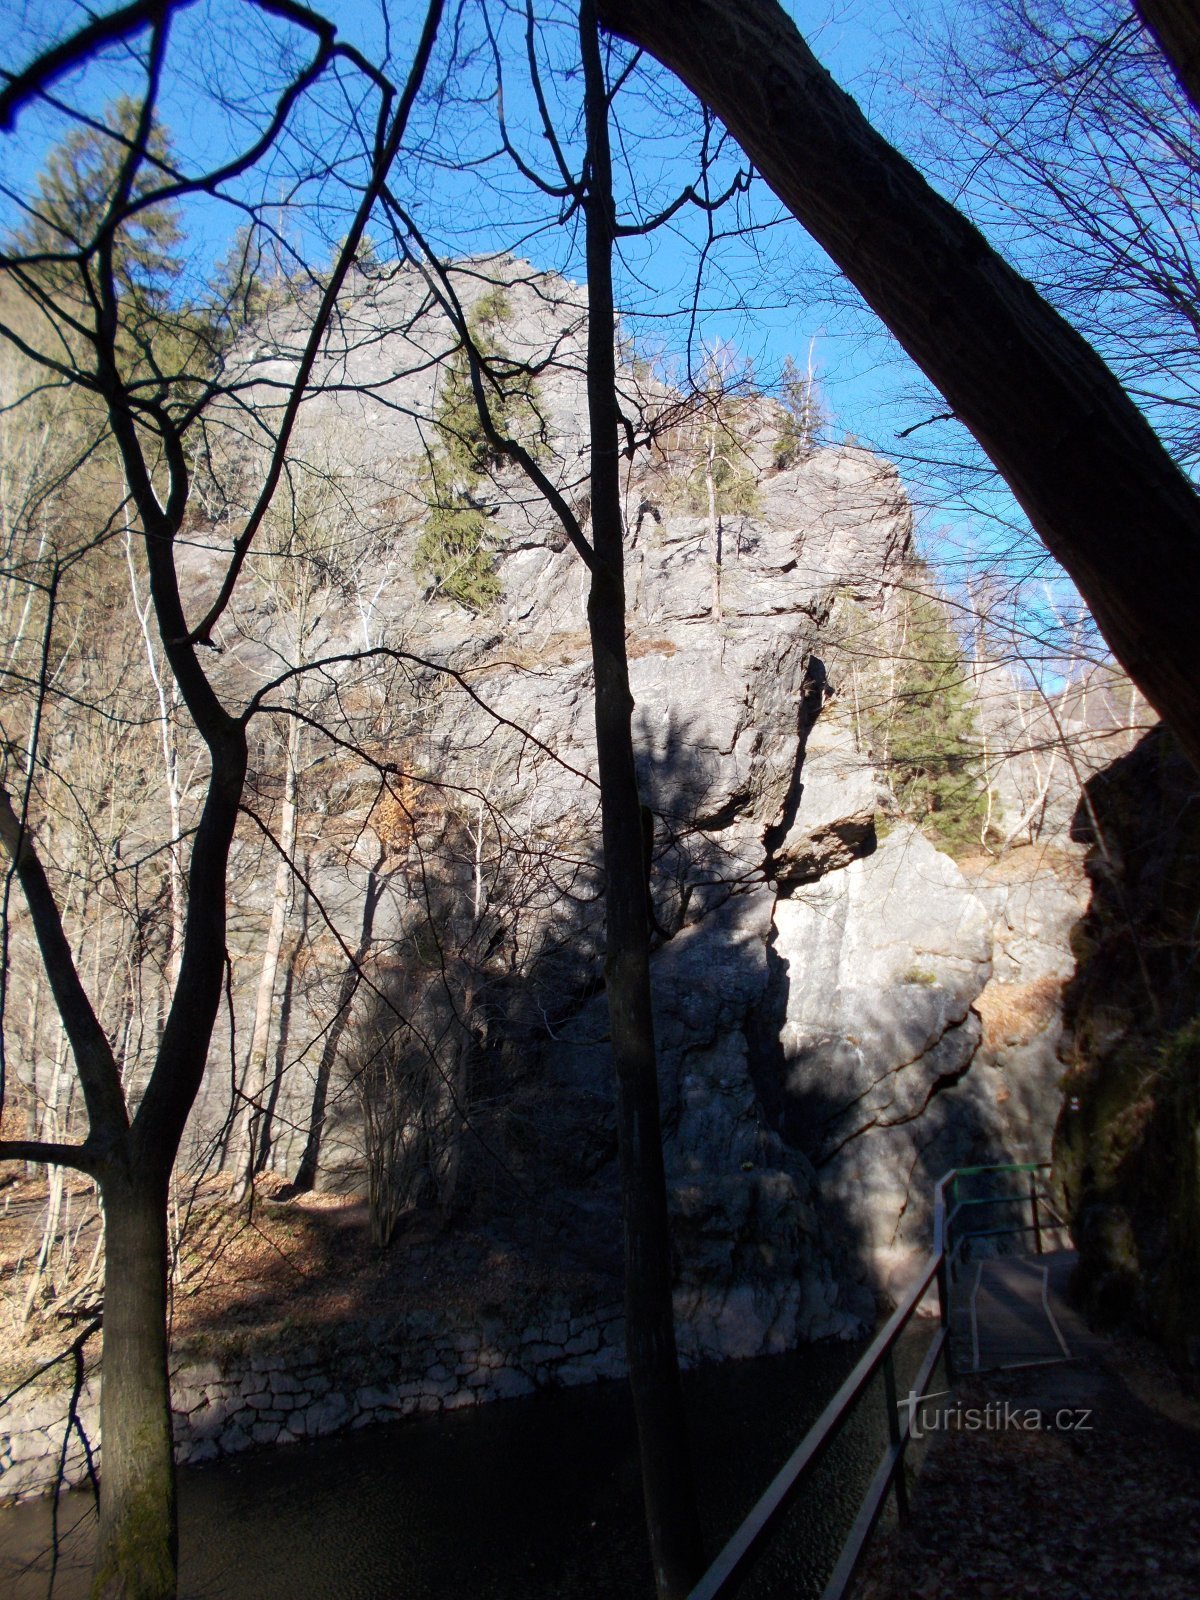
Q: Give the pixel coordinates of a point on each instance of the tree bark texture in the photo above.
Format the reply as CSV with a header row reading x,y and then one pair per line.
x,y
671,1517
137,1540
1175,25
247,1130
1089,471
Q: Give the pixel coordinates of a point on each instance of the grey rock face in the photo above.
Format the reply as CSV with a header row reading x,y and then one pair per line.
x,y
815,986
841,1013
834,822
874,974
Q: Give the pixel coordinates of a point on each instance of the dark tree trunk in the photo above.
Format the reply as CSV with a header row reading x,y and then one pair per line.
x,y
138,1538
1094,479
310,1159
137,1546
668,1492
1175,25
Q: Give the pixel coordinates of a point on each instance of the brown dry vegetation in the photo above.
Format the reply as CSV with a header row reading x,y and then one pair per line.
x,y
558,650
638,646
566,649
1014,1013
1022,863
281,1269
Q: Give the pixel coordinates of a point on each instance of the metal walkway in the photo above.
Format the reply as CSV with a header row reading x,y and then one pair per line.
x,y
1011,1315
1005,1310
994,1311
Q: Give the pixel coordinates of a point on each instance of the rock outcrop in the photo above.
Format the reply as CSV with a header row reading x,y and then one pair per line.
x,y
842,1011
818,976
819,965
1127,1144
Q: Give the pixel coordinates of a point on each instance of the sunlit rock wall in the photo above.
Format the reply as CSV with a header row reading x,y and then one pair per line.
x,y
823,975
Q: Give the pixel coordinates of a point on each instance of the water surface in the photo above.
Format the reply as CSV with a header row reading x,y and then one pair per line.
x,y
520,1500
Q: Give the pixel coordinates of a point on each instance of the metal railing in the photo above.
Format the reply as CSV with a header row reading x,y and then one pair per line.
x,y
1040,1203
748,1543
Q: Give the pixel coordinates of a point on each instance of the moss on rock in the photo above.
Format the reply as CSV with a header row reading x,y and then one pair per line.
x,y
1126,1149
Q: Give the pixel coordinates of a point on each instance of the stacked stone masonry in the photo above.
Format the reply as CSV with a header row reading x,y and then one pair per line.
x,y
289,1395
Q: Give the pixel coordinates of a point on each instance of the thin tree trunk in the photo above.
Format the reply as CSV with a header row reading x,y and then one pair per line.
x,y
451,1129
247,1127
667,1487
31,1107
137,1540
1134,732
1095,481
262,1152
310,1160
167,693
714,523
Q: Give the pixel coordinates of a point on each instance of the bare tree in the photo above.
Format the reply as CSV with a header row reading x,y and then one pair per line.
x,y
1069,133
100,329
668,1491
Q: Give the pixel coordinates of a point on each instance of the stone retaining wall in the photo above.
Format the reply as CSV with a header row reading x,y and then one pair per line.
x,y
373,1373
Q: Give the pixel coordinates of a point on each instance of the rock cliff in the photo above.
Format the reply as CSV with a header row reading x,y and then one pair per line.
x,y
824,976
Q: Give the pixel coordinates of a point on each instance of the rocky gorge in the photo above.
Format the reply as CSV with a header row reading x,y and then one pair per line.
x,y
843,1010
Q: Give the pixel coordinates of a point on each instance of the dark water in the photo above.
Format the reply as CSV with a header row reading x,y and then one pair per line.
x,y
531,1498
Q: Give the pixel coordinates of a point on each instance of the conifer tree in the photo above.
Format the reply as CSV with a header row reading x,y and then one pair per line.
x,y
457,548
801,414
68,215
925,734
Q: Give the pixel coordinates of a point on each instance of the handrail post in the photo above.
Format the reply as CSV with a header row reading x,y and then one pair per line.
x,y
943,1283
945,1268
1037,1221
893,1412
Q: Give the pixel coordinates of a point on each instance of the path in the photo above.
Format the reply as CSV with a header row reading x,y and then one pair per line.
x,y
1075,1476
1012,1311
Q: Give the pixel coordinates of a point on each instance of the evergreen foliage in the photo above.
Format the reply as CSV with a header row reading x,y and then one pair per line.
x,y
248,283
75,194
711,452
802,416
925,735
457,547
735,485
52,266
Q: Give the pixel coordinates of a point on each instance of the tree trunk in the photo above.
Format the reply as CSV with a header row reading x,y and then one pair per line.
x,y
714,521
1175,25
310,1159
266,1128
668,1493
137,1542
1093,478
248,1124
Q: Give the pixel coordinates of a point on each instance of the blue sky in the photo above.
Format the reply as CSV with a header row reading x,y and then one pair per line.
x,y
769,294
786,308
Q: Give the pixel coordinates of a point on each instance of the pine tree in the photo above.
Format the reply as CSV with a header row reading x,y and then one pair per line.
x,y
457,547
802,415
926,736
75,195
248,283
718,473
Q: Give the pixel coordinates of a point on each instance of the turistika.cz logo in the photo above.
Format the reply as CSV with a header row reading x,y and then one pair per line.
x,y
997,1416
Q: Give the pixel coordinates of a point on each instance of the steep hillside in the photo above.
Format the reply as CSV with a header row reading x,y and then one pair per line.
x,y
415,997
